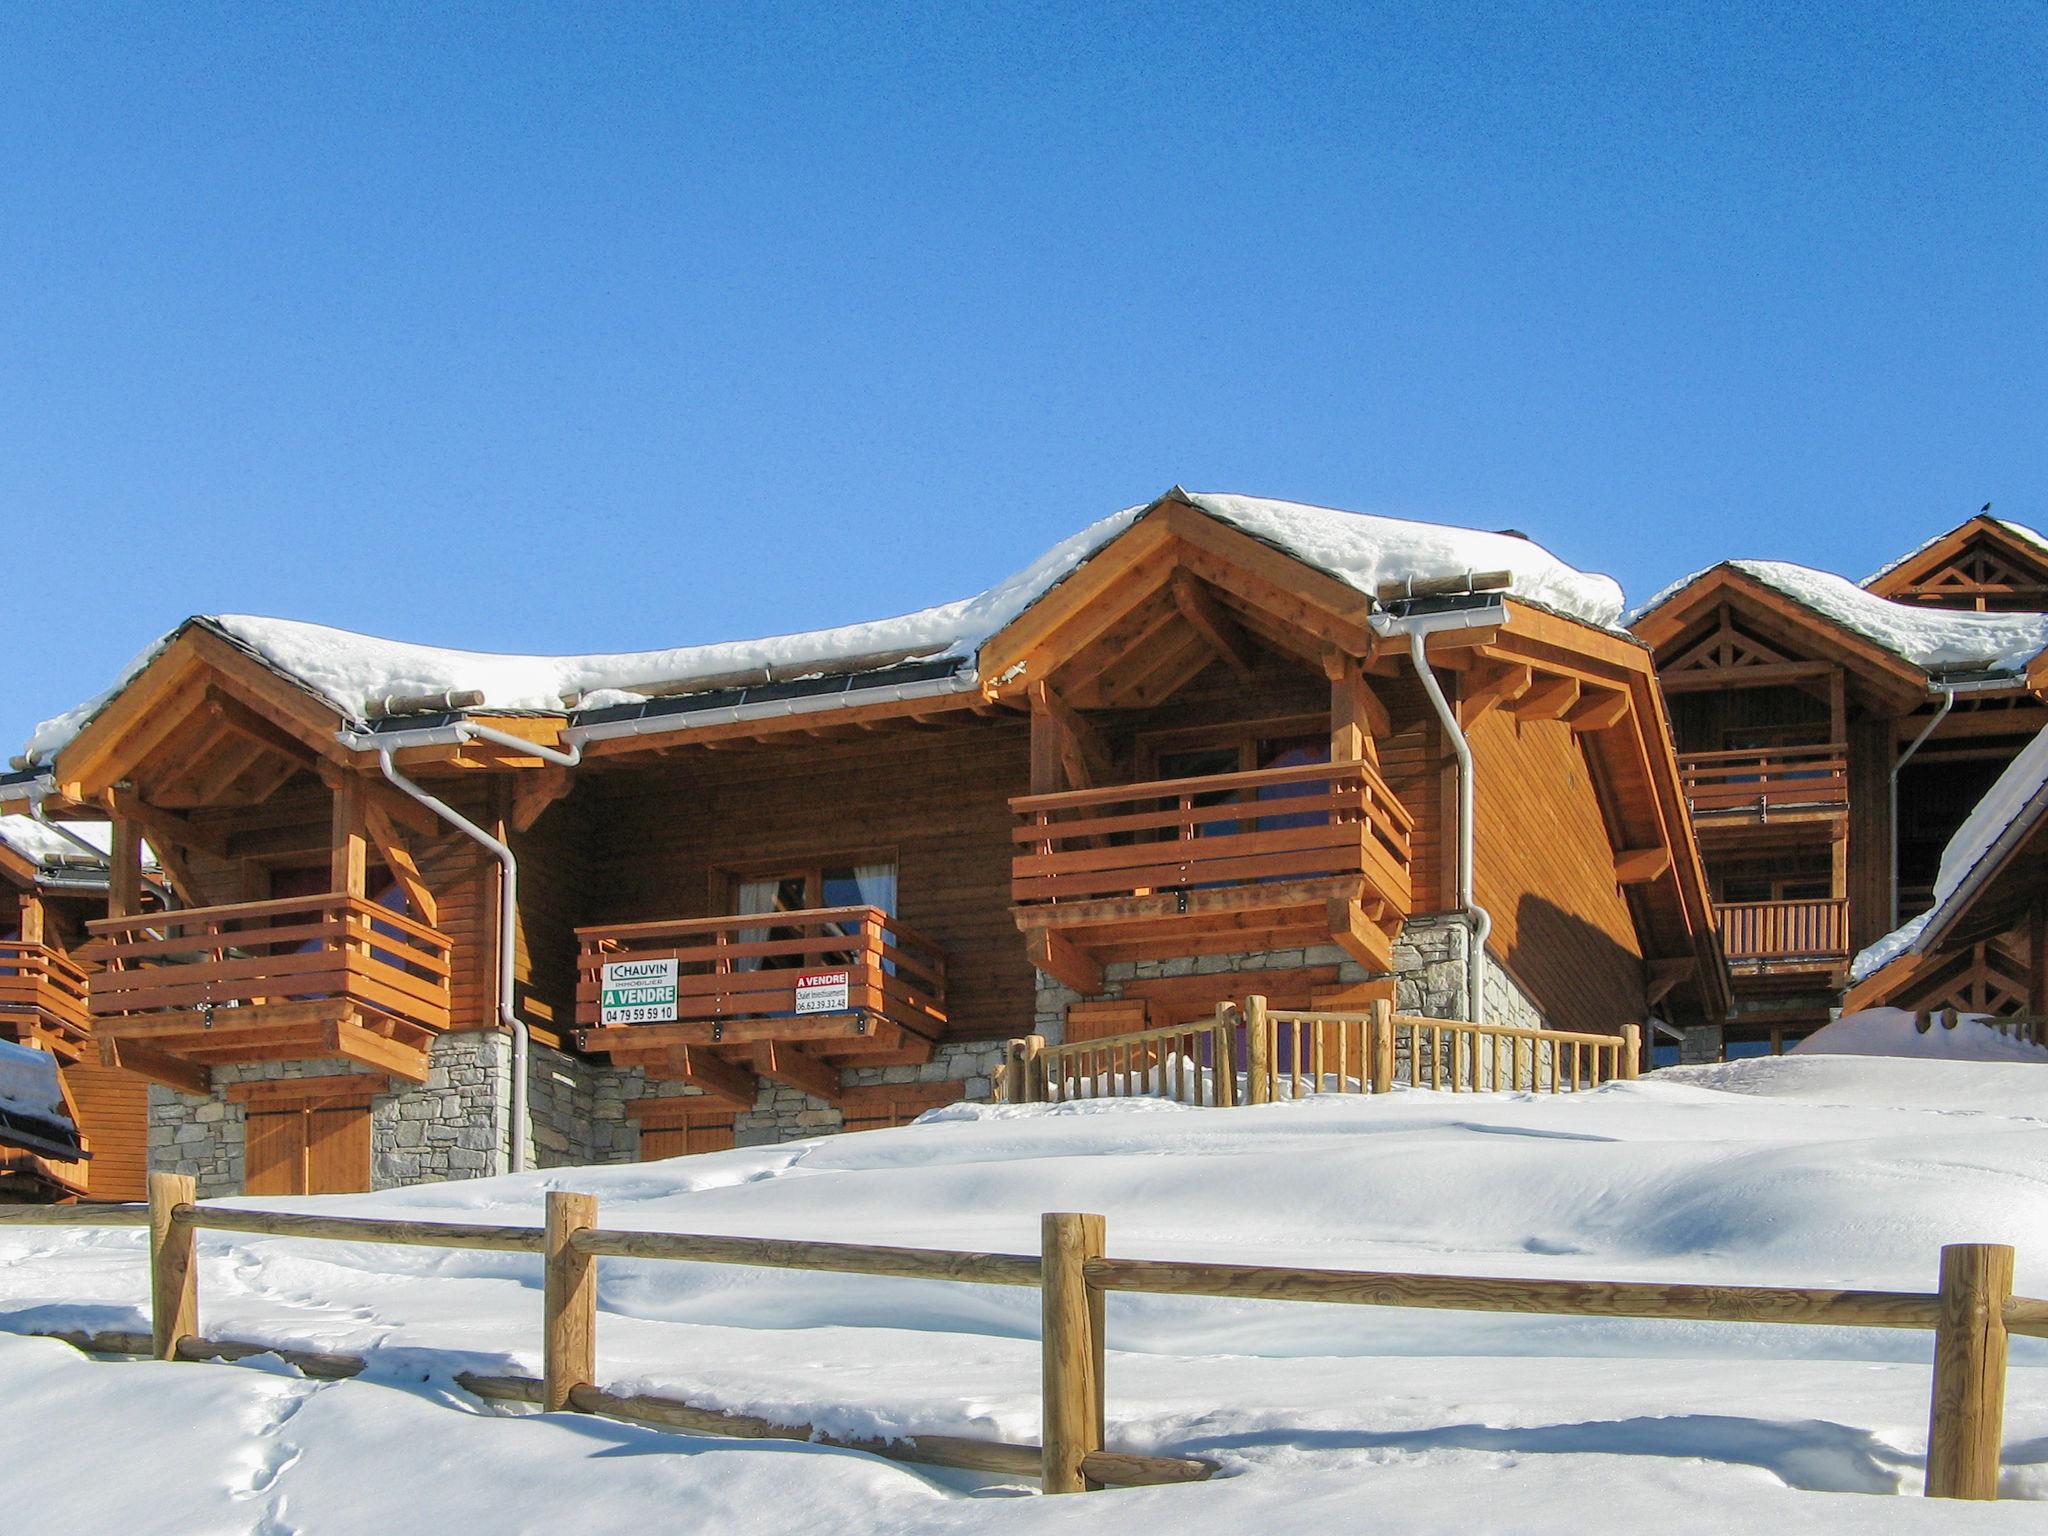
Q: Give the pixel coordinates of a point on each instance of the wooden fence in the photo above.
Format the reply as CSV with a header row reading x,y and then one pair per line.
x,y
1971,1315
1285,1053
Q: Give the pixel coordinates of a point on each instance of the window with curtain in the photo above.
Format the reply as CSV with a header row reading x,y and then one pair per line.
x,y
870,883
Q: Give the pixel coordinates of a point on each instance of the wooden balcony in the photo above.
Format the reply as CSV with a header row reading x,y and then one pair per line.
x,y
791,996
299,978
1279,857
1766,785
42,999
1786,936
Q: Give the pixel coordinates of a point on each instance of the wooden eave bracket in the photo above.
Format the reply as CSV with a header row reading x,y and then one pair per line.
x,y
1663,976
1506,683
1640,866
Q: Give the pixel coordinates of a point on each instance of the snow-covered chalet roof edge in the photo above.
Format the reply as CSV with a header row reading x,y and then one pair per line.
x,y
49,850
2008,813
1936,640
349,671
2019,531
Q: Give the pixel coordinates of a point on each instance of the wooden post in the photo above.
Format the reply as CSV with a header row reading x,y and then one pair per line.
x,y
124,869
173,1277
569,1299
1013,1072
1258,1053
1034,1071
348,841
1072,1346
1382,1046
1631,1051
1223,1054
1966,1421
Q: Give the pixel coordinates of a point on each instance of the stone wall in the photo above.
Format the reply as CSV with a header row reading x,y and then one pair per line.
x,y
1429,977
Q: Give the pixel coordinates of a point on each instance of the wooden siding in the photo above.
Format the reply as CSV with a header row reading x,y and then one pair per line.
x,y
1545,872
938,800
113,1112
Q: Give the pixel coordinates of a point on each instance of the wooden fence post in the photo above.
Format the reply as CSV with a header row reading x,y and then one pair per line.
x,y
1382,1046
1966,1421
1013,1072
173,1277
1223,1056
1071,1346
1033,1068
569,1301
1258,1053
1631,1051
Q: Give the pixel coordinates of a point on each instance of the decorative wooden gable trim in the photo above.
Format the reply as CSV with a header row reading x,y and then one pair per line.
x,y
1979,566
1726,647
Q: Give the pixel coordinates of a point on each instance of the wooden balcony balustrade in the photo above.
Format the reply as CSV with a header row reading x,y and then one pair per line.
x,y
42,998
1766,782
847,983
311,976
1770,931
1226,862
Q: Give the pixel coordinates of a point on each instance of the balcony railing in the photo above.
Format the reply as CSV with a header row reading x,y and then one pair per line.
x,y
821,973
216,969
1223,830
1766,782
1786,930
37,980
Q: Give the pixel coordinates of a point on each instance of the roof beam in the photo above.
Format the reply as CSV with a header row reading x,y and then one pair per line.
x,y
1215,626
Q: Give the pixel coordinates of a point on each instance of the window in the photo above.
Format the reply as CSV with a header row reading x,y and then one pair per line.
x,y
865,883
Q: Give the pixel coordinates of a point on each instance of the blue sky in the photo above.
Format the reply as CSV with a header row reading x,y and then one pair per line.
x,y
587,328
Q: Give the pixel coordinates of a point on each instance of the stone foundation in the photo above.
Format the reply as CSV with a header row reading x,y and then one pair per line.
x,y
1428,974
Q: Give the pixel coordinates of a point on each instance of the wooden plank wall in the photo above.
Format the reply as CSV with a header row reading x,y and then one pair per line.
x,y
939,799
1545,872
113,1111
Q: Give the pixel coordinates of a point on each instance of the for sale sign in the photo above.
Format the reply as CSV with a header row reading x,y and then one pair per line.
x,y
638,992
822,992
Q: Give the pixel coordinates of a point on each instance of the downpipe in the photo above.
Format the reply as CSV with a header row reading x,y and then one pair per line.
x,y
1479,922
508,892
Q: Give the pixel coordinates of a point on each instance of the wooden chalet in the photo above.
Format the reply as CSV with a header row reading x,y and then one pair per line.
x,y
1831,741
816,882
49,889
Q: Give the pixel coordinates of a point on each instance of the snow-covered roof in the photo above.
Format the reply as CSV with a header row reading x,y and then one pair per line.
x,y
2019,531
48,849
1936,640
2008,811
32,1110
350,671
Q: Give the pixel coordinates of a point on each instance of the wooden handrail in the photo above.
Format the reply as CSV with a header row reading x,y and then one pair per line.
x,y
1970,1316
181,918
1752,754
592,934
1257,778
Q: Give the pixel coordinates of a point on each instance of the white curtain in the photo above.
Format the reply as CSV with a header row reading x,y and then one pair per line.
x,y
754,897
877,886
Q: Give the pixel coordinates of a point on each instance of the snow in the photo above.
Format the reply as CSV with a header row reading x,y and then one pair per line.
x,y
1933,639
32,840
1803,1169
2016,792
350,671
29,1089
1897,1032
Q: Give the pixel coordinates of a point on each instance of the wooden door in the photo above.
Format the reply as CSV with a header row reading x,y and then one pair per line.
x,y
302,1140
886,1106
682,1135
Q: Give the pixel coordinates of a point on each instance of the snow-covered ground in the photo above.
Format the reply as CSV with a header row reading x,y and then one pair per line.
x,y
1806,1169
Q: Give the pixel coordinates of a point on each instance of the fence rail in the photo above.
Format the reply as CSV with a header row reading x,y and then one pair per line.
x,y
325,949
36,978
1970,1314
1759,781
1816,929
1287,1053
